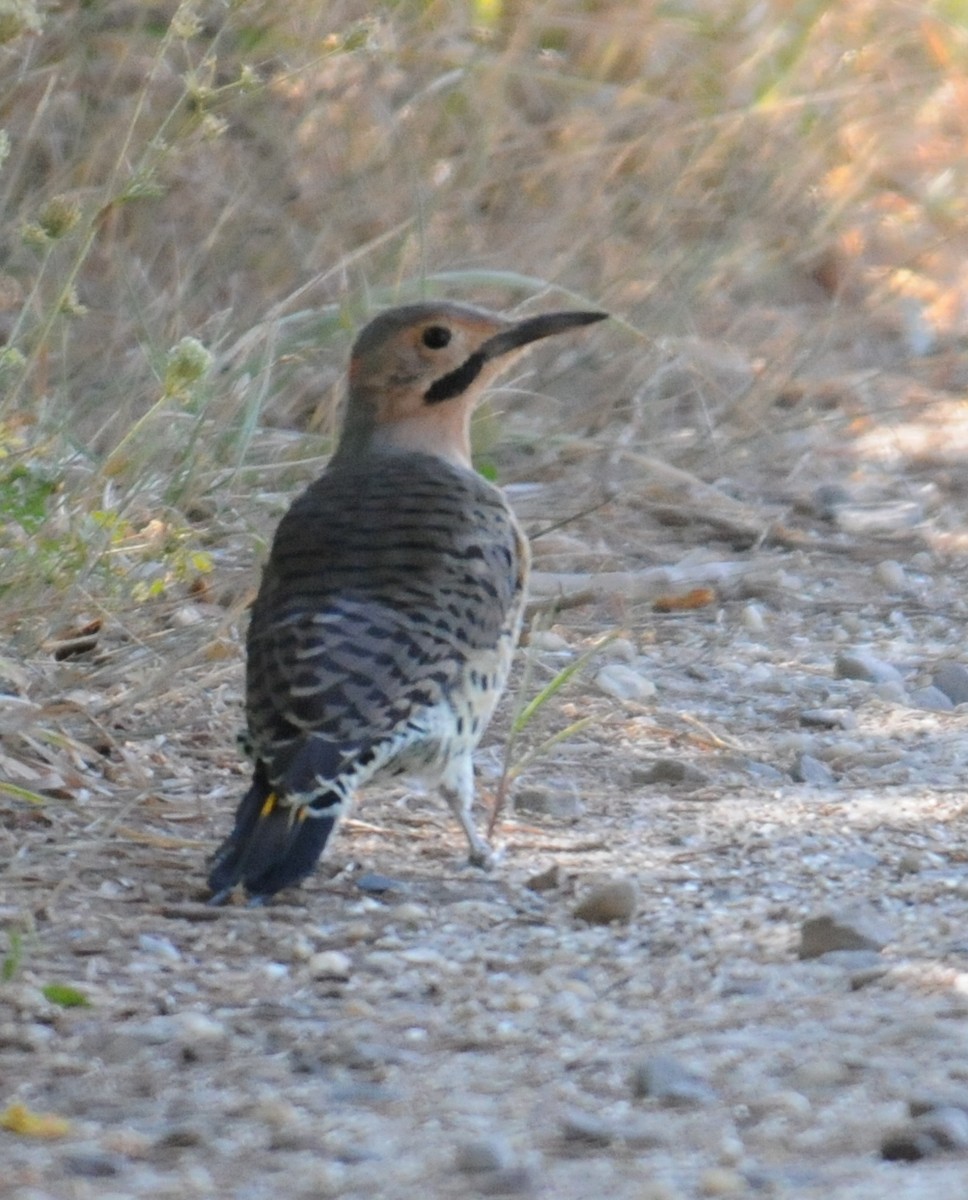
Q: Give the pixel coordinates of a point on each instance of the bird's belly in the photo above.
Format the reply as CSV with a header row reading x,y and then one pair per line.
x,y
451,729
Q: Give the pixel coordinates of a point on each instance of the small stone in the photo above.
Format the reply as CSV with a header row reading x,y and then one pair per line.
x,y
478,1157
672,771
509,1181
891,692
850,929
330,964
752,618
948,1127
409,913
612,901
578,1126
952,679
933,1131
548,642
160,947
545,881
807,769
93,1165
620,650
891,575
376,884
548,802
722,1181
820,1074
828,718
860,664
827,499
909,863
929,1102
668,1081
907,1143
853,960
623,683
931,698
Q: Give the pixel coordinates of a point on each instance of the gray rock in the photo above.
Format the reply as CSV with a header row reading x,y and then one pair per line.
x,y
931,698
827,499
930,1133
546,880
91,1165
828,718
578,1126
668,1081
669,770
548,802
624,683
376,884
952,679
607,902
807,769
930,1101
861,664
765,773
854,928
478,1157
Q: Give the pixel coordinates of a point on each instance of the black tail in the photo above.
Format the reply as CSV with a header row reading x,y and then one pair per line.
x,y
273,845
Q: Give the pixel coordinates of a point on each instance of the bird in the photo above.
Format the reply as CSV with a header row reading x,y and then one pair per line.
x,y
383,630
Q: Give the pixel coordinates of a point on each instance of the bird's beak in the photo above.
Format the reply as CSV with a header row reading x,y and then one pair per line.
x,y
530,330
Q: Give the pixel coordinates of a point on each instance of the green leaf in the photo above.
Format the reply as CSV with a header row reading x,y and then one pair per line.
x,y
65,995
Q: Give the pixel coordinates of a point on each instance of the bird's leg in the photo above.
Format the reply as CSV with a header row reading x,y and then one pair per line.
x,y
457,788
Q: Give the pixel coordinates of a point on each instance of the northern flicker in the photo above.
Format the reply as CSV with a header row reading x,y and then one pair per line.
x,y
382,634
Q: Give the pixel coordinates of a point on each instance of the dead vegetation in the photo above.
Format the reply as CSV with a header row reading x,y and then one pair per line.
x,y
199,203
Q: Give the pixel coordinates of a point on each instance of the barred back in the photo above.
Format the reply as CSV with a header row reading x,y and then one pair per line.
x,y
389,579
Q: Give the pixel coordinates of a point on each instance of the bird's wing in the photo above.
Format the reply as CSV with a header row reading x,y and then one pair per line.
x,y
381,583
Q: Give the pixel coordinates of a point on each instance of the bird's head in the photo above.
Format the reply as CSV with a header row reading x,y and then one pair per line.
x,y
418,372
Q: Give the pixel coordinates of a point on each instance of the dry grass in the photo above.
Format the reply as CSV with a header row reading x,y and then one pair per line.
x,y
201,202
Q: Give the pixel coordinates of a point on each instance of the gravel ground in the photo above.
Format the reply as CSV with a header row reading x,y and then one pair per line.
x,y
725,953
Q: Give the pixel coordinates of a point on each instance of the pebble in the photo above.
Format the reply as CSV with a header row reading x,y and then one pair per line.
x,y
546,880
548,802
92,1165
932,698
828,718
668,1081
752,618
854,928
807,769
410,913
161,947
931,1132
375,884
669,770
548,642
620,650
952,679
821,1073
578,1126
828,498
478,1157
909,863
330,964
861,664
891,692
509,1181
722,1181
928,1102
623,683
891,575
607,902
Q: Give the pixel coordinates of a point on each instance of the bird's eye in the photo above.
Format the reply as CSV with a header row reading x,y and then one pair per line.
x,y
436,337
